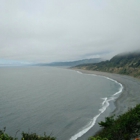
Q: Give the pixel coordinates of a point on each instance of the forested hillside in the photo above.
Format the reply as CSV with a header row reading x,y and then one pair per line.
x,y
128,64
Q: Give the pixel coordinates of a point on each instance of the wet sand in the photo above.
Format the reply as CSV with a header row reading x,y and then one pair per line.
x,y
129,97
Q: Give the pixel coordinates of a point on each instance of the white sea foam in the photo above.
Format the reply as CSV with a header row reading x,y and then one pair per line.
x,y
104,101
105,104
79,72
93,121
121,86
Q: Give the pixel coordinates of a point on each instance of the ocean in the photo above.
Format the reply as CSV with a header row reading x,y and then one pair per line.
x,y
64,103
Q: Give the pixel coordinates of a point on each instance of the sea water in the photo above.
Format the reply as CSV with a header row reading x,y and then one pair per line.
x,y
61,102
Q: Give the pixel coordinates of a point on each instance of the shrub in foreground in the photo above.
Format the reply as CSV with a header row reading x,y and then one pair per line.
x,y
97,138
25,136
125,127
34,136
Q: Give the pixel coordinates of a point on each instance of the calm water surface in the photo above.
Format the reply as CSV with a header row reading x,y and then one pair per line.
x,y
57,101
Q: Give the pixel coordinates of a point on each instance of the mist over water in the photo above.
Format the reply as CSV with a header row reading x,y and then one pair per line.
x,y
57,101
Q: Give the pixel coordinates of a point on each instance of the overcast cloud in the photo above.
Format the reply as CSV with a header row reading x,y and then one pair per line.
x,y
63,30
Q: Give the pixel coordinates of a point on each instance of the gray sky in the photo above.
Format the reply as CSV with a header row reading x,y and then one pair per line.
x,y
63,30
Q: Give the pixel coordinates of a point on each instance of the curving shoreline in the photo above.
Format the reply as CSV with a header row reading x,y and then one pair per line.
x,y
105,105
129,97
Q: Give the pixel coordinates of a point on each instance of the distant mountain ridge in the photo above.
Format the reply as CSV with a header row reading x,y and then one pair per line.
x,y
72,63
128,64
6,62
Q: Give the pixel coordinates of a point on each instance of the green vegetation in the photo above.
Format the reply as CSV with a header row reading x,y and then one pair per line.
x,y
124,127
97,138
4,136
25,136
128,64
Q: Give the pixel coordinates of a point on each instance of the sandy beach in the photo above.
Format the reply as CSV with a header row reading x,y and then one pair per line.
x,y
129,97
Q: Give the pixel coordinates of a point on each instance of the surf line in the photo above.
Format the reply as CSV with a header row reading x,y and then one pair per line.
x,y
105,104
